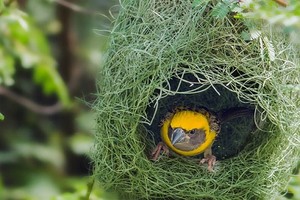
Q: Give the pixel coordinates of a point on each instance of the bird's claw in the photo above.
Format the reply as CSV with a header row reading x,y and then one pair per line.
x,y
156,152
210,160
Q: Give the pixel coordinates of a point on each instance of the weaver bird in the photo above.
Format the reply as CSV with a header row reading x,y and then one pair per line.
x,y
192,132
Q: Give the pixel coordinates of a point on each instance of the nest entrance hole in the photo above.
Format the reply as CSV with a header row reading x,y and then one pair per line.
x,y
234,134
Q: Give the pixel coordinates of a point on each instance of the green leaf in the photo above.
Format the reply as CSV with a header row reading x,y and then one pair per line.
x,y
2,6
254,34
220,10
1,116
81,143
7,68
47,76
270,48
46,153
245,35
294,186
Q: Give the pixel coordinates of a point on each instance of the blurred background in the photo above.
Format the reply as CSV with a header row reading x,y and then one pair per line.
x,y
50,53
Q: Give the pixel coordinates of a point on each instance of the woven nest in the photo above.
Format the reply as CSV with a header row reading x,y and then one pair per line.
x,y
167,53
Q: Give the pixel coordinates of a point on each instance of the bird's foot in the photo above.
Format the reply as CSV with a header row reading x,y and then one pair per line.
x,y
210,160
160,147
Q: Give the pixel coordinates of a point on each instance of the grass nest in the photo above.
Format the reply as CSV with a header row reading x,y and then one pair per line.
x,y
164,51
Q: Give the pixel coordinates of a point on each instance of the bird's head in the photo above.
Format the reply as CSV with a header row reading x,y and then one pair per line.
x,y
188,132
187,140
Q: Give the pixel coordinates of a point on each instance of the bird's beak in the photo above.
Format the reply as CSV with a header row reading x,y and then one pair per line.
x,y
177,136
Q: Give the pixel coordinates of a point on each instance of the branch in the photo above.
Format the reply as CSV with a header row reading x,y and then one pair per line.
x,y
8,2
90,186
75,7
281,2
45,110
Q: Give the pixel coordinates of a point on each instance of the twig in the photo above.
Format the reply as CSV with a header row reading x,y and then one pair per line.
x,y
281,2
45,110
90,186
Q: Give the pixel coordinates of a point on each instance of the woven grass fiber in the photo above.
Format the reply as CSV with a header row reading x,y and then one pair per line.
x,y
155,41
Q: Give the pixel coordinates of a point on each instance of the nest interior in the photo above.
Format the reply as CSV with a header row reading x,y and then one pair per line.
x,y
155,41
234,134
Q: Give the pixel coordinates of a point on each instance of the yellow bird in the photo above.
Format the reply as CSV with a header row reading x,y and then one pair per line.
x,y
189,133
192,132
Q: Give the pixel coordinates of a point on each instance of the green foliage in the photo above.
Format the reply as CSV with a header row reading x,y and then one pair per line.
x,y
23,44
46,157
284,19
288,17
223,8
294,187
1,116
43,179
78,188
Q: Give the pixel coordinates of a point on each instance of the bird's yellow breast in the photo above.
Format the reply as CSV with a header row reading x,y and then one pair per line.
x,y
188,120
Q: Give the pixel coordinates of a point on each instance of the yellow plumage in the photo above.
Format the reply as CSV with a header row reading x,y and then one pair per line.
x,y
192,132
188,120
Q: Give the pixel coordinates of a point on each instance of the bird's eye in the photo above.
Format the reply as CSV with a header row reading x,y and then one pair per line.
x,y
192,132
